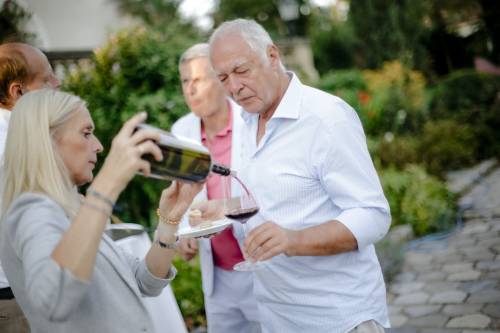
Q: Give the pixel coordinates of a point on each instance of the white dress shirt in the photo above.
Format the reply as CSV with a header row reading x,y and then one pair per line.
x,y
4,125
312,166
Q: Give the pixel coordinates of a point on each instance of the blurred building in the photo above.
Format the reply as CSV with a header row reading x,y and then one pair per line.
x,y
68,30
73,25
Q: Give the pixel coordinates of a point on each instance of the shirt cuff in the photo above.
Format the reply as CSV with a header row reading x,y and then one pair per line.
x,y
151,284
368,225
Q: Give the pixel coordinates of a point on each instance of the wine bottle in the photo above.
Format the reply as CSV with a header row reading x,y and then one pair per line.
x,y
183,159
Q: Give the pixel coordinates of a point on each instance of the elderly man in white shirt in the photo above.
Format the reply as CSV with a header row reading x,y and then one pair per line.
x,y
321,204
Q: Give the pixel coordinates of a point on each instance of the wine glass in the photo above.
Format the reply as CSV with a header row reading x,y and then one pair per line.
x,y
240,208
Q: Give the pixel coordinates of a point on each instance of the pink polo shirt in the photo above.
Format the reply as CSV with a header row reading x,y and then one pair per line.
x,y
225,249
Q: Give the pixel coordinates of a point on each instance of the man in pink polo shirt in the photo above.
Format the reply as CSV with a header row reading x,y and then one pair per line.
x,y
215,121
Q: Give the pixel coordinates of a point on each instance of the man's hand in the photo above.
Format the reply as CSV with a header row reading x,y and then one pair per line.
x,y
269,240
188,248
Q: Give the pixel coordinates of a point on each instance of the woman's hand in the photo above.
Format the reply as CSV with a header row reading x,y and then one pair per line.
x,y
124,158
176,199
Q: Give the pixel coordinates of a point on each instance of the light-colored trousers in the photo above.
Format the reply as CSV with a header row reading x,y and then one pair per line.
x,y
232,307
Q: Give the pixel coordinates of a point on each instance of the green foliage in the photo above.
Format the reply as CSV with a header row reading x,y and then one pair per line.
x,y
347,84
418,199
397,152
471,98
333,43
391,99
135,71
463,95
152,12
188,292
395,100
264,12
341,80
441,146
388,30
12,20
446,145
466,107
160,15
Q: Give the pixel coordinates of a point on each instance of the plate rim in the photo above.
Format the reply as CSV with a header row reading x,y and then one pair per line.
x,y
193,232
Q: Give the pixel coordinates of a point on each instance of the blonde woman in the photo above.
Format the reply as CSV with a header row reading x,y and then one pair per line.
x,y
66,274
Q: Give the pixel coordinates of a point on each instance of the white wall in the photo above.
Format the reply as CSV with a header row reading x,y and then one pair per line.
x,y
70,25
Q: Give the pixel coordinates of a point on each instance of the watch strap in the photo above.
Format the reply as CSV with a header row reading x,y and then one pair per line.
x,y
170,246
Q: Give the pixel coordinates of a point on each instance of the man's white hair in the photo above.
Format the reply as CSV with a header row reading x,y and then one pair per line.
x,y
252,33
200,50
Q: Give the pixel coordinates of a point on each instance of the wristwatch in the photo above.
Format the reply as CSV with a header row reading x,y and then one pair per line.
x,y
170,246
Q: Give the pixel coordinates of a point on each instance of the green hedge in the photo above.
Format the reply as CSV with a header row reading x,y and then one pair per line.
x,y
189,293
390,99
418,199
471,98
446,145
347,84
397,152
441,146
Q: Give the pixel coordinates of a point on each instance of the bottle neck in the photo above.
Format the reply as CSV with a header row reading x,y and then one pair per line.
x,y
221,170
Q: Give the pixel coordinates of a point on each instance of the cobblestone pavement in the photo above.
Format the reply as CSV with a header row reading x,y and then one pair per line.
x,y
453,284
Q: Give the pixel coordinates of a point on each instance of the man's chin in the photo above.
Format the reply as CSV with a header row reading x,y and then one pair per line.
x,y
250,106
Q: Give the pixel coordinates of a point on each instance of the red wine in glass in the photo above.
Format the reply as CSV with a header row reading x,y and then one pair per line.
x,y
242,215
246,208
241,209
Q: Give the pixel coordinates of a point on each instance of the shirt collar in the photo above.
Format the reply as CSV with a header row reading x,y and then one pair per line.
x,y
226,130
289,106
5,114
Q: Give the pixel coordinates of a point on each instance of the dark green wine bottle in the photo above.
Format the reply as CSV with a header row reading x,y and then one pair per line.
x,y
183,159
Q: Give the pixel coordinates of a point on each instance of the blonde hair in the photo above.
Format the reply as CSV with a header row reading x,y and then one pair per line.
x,y
32,162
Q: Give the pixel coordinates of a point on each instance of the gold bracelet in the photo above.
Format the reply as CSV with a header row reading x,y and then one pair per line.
x,y
165,220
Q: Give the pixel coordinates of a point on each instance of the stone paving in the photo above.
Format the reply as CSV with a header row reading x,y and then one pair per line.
x,y
452,284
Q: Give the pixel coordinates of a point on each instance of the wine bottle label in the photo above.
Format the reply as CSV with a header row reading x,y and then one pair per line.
x,y
182,159
180,164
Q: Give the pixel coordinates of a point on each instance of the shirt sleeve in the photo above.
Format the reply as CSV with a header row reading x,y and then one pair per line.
x,y
149,284
348,175
35,230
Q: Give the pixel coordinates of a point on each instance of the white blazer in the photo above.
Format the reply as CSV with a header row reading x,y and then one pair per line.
x,y
189,126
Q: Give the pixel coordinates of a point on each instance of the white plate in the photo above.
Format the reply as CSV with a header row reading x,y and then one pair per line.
x,y
194,232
